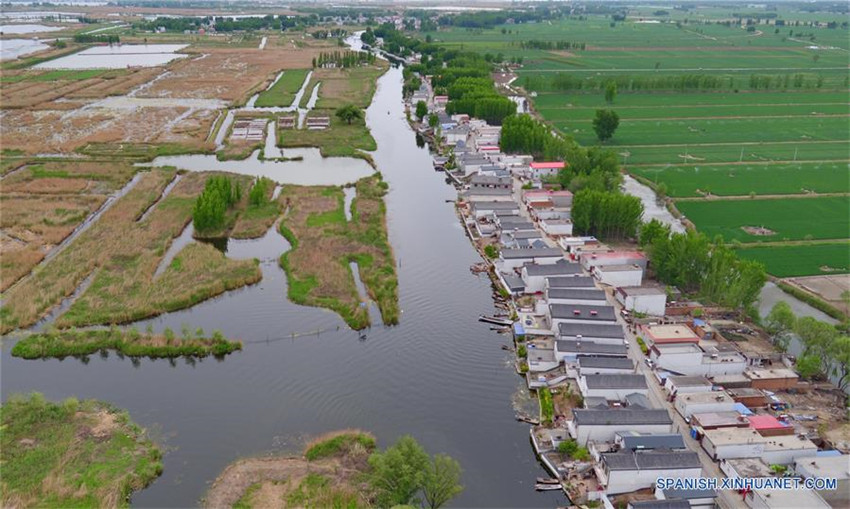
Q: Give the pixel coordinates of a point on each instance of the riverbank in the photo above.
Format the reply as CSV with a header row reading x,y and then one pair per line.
x,y
72,454
132,343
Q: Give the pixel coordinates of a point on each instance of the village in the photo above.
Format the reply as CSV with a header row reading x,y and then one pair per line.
x,y
635,382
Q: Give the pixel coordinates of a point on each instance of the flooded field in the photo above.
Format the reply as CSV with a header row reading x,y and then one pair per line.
x,y
26,29
117,57
14,48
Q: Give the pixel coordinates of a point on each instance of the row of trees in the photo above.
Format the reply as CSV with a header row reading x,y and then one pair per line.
x,y
564,82
825,349
697,265
259,193
210,210
552,45
88,38
477,97
336,33
343,59
608,215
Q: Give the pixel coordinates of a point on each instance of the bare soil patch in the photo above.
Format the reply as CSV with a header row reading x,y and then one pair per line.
x,y
758,230
827,287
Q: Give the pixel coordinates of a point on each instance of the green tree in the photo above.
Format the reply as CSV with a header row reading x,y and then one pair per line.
x,y
433,121
349,113
780,319
808,366
421,110
839,352
398,472
653,231
441,481
605,123
610,92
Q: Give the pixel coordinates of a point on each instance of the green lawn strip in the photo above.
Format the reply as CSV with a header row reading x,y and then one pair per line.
x,y
282,93
801,259
66,343
339,444
73,454
746,178
789,219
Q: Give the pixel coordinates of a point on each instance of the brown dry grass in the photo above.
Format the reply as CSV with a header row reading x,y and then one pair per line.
x,y
344,86
230,74
32,93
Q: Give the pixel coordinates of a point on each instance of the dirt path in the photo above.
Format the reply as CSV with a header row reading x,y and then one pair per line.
x,y
740,163
714,197
229,487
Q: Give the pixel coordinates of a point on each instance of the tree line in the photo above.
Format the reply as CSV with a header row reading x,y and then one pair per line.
x,y
88,38
343,59
210,210
697,265
608,215
680,82
825,348
552,45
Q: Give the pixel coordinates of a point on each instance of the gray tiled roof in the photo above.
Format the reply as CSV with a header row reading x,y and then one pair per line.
x,y
571,282
598,312
622,416
576,293
660,504
589,347
647,441
605,362
615,381
651,460
554,269
549,252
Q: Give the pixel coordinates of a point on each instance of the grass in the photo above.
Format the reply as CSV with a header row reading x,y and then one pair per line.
x,y
142,151
739,180
340,140
60,344
72,454
803,259
317,490
790,219
337,444
354,85
324,243
547,406
283,92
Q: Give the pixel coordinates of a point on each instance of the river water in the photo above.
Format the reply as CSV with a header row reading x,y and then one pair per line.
x,y
439,375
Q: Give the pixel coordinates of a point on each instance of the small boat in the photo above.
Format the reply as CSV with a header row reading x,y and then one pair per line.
x,y
551,480
547,487
528,420
494,320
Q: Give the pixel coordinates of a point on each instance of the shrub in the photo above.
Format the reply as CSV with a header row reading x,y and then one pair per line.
x,y
491,251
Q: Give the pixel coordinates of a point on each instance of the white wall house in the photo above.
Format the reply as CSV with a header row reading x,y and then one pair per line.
x,y
612,387
557,227
731,443
649,300
569,351
593,259
625,472
575,281
486,208
619,275
605,366
701,402
589,296
687,384
534,275
515,258
603,424
579,313
690,359
697,499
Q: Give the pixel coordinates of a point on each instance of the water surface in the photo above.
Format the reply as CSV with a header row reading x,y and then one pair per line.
x,y
117,56
27,29
14,48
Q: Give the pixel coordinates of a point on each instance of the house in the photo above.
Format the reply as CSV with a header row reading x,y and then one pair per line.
x,y
751,398
556,227
625,472
686,384
484,208
579,313
488,193
732,381
769,426
696,498
601,333
574,244
470,163
511,259
590,296
601,425
546,198
511,282
513,223
701,402
773,379
716,420
618,275
489,182
668,334
535,275
575,281
540,359
569,351
525,239
649,300
605,366
785,499
690,359
545,169
835,466
658,504
455,134
732,443
746,468
612,387
634,441
591,260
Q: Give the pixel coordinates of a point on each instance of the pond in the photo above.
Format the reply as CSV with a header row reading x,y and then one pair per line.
x,y
117,57
14,48
439,375
26,29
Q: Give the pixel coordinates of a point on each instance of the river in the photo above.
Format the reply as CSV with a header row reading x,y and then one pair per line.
x,y
439,375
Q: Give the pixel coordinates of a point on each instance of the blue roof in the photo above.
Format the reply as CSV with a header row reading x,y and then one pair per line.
x,y
743,410
519,330
827,454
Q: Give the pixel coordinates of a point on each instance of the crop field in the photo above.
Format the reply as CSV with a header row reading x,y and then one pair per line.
x,y
283,92
786,219
757,178
802,260
707,110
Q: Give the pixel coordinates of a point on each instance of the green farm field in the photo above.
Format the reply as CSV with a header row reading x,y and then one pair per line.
x,y
802,260
788,218
282,93
761,178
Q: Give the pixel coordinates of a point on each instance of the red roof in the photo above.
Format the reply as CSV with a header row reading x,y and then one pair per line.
x,y
548,166
758,422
